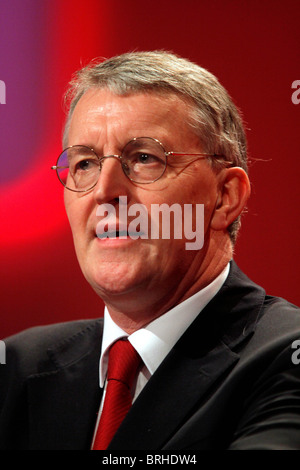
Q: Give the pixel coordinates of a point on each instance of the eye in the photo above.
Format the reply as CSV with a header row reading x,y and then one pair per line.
x,y
146,158
83,165
86,165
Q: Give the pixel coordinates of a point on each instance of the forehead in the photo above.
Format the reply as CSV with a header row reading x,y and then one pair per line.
x,y
108,102
99,111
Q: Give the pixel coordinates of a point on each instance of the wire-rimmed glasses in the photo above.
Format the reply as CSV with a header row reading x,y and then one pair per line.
x,y
143,160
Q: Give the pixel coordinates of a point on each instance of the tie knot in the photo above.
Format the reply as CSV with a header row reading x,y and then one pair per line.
x,y
123,362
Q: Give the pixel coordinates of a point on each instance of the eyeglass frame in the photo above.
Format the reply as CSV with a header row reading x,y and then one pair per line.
x,y
119,157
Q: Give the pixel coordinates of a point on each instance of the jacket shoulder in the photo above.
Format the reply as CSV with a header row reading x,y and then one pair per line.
x,y
29,350
280,315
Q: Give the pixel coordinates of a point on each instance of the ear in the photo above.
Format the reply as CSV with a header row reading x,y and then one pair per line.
x,y
234,192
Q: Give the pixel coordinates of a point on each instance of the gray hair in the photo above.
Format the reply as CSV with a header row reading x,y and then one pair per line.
x,y
213,117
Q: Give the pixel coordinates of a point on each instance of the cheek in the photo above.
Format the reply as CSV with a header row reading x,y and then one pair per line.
x,y
202,193
78,210
68,198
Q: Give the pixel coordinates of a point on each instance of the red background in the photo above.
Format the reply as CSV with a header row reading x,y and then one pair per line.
x,y
253,47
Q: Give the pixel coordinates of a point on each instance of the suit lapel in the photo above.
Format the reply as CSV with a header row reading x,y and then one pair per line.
x,y
170,397
63,401
204,353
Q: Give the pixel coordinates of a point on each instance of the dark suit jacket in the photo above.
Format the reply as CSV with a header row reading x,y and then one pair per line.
x,y
229,382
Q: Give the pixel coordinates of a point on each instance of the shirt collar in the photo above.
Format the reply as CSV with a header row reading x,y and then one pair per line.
x,y
154,341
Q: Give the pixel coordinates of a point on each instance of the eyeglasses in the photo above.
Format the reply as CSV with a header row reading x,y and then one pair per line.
x,y
143,160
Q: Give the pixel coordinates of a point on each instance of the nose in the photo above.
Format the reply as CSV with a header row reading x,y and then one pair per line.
x,y
112,182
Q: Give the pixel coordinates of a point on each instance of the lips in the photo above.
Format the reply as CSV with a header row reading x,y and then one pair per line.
x,y
121,234
114,234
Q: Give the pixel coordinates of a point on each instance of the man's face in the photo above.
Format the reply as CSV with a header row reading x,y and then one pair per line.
x,y
127,267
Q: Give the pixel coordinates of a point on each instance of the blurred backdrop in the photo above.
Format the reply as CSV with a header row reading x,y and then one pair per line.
x,y
252,46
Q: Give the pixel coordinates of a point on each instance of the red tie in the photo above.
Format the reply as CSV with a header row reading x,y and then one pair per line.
x,y
122,369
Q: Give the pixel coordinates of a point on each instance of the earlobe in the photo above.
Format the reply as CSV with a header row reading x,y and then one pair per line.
x,y
234,192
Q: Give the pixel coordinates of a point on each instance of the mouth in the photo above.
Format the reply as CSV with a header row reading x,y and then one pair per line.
x,y
119,234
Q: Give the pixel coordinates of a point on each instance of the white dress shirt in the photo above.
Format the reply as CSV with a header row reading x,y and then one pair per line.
x,y
155,341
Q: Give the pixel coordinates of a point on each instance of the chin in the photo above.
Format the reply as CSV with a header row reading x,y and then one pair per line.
x,y
113,280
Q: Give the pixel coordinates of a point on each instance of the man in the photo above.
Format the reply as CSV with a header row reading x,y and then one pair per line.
x,y
214,354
